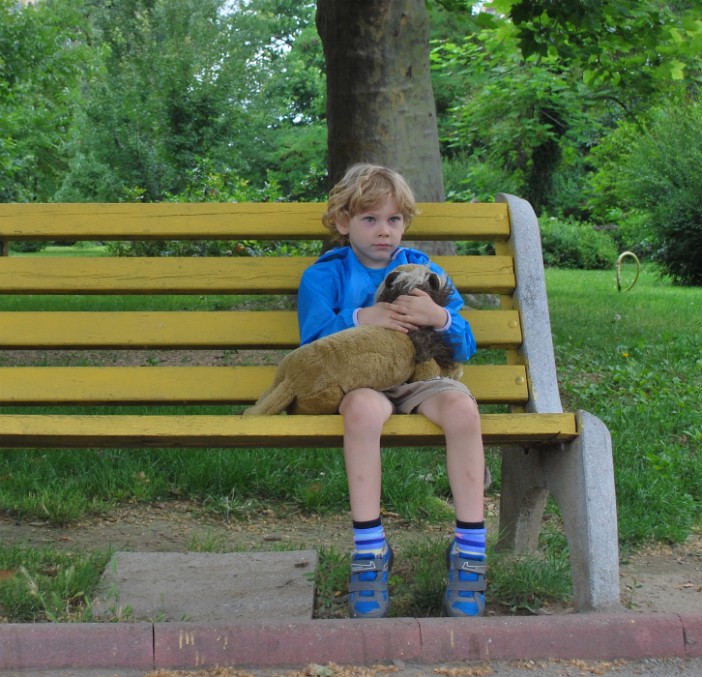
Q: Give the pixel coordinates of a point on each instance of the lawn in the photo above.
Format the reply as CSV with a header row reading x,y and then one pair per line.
x,y
635,360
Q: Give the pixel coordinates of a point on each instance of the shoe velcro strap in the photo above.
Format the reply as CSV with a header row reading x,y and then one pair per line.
x,y
469,586
367,586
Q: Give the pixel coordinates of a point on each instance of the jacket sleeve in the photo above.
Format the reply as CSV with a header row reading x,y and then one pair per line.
x,y
318,307
458,334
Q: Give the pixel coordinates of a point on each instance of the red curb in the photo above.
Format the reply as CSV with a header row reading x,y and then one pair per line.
x,y
692,625
593,636
283,643
85,645
280,643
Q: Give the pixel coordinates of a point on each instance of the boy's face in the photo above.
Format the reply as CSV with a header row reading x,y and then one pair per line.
x,y
375,234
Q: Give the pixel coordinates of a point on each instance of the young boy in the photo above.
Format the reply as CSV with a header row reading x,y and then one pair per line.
x,y
368,212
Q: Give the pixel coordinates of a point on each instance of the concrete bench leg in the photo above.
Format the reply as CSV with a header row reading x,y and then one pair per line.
x,y
580,476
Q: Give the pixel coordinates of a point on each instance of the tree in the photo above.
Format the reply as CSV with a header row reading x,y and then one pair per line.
x,y
616,42
380,104
177,81
514,122
293,92
43,61
534,91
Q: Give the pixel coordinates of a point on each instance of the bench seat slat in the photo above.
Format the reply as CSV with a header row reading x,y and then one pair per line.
x,y
238,275
242,221
58,431
193,330
199,385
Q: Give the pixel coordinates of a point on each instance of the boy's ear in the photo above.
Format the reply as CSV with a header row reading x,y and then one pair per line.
x,y
342,225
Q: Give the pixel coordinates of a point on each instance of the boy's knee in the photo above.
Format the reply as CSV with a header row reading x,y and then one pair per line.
x,y
459,409
365,407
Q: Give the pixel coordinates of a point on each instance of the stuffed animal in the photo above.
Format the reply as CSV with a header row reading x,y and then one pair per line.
x,y
314,378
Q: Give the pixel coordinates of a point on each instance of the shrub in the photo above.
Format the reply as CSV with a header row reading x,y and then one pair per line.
x,y
653,177
205,184
571,244
662,175
27,246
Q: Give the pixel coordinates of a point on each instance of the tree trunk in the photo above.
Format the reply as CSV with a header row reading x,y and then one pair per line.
x,y
380,103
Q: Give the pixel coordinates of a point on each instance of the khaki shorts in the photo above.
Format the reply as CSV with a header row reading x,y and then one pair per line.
x,y
408,396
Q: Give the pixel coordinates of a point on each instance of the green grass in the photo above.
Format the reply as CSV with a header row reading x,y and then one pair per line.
x,y
632,358
79,249
635,360
49,584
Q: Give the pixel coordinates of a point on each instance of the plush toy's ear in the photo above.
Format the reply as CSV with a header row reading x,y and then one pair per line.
x,y
434,281
390,279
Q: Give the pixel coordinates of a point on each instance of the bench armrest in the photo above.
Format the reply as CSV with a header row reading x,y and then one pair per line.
x,y
530,299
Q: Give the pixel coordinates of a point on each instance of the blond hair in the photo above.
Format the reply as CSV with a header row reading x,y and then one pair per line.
x,y
363,187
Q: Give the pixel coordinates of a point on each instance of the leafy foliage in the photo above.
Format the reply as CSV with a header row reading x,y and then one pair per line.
x,y
146,99
653,174
611,43
44,59
518,123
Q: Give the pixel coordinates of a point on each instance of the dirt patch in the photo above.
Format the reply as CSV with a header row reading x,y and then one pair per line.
x,y
662,578
139,358
181,526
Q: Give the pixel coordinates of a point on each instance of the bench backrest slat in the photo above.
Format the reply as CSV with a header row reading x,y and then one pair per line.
x,y
504,384
238,275
242,221
197,330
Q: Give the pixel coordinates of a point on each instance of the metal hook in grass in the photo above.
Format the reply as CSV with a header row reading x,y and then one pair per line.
x,y
621,258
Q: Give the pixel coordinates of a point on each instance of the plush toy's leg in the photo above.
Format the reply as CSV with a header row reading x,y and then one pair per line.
x,y
425,371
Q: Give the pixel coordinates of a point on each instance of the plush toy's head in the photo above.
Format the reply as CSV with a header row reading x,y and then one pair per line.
x,y
429,345
409,276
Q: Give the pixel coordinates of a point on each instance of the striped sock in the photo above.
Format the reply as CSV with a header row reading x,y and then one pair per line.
x,y
470,539
369,537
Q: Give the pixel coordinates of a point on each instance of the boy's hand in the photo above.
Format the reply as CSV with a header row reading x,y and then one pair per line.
x,y
388,315
419,309
407,313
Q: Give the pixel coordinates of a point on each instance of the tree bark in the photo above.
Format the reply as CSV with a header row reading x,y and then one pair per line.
x,y
380,103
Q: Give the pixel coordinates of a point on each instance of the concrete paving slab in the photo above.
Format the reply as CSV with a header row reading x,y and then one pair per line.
x,y
207,587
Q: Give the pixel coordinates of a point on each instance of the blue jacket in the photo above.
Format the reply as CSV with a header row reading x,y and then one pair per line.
x,y
337,284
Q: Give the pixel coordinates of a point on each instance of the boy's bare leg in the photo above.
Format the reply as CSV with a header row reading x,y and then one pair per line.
x,y
458,416
364,411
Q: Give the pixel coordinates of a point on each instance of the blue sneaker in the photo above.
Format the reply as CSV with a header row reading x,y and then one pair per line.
x,y
465,592
368,589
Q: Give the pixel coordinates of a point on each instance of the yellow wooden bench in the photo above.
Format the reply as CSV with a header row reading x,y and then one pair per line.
x,y
545,450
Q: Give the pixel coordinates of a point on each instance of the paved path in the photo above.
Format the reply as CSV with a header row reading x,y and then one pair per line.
x,y
668,667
